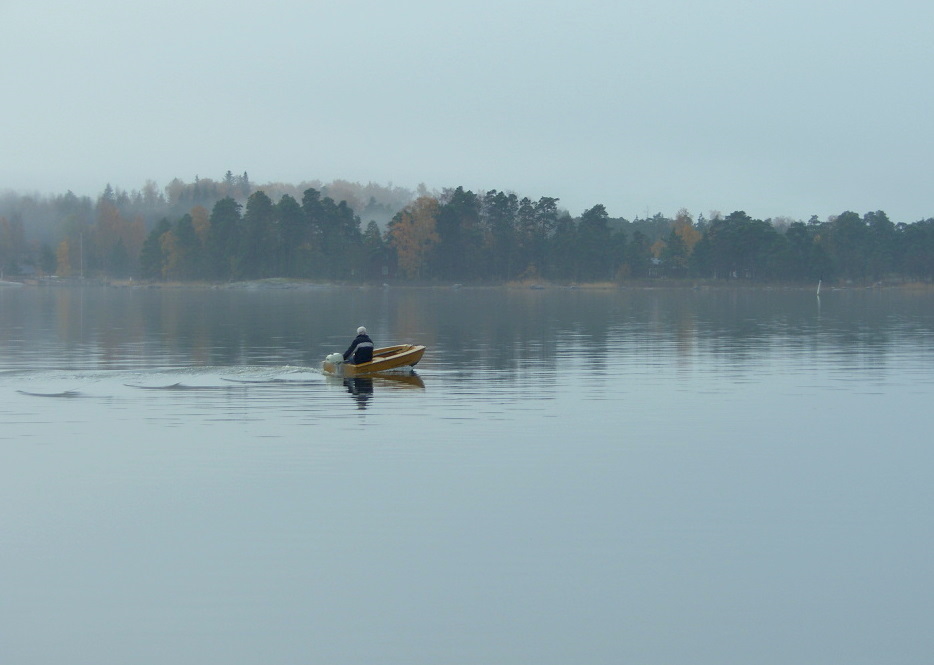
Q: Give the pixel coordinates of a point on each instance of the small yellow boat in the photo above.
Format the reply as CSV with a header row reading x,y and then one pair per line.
x,y
388,358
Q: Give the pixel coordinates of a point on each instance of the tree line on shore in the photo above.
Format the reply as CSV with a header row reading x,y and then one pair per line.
x,y
453,236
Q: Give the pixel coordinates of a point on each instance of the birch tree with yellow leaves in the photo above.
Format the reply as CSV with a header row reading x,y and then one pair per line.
x,y
413,235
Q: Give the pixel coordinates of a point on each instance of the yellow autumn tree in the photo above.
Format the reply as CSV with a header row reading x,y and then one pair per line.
x,y
117,241
108,227
684,227
63,259
413,234
201,220
6,245
171,269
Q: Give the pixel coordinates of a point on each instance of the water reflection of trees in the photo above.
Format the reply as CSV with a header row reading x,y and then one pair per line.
x,y
464,329
513,329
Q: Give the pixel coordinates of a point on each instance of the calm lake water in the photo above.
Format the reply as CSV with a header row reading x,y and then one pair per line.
x,y
570,476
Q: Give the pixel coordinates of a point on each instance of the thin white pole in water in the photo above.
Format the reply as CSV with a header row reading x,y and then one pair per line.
x,y
818,286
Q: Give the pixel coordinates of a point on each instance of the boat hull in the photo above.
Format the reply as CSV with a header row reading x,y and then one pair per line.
x,y
385,359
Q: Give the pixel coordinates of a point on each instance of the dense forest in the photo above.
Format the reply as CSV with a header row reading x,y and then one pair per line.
x,y
231,230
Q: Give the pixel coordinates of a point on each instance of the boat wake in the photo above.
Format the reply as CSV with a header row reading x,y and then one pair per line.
x,y
65,393
105,383
120,383
278,382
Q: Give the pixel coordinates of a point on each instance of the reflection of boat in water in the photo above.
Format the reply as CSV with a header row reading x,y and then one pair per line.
x,y
388,380
362,387
385,359
398,380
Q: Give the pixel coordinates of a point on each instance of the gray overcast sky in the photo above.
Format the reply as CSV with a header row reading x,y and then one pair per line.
x,y
779,108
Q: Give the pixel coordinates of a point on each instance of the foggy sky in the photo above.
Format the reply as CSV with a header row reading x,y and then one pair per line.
x,y
787,108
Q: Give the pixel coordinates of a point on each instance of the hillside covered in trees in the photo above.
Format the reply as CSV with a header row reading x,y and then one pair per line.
x,y
232,230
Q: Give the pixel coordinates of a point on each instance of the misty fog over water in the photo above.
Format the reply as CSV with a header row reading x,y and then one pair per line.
x,y
599,476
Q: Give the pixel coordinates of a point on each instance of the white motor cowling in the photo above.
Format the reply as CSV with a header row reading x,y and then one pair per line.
x,y
334,358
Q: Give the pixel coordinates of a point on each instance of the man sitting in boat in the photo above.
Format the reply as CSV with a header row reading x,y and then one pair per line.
x,y
361,348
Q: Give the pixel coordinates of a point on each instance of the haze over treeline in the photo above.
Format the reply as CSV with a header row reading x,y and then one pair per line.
x,y
232,229
46,217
